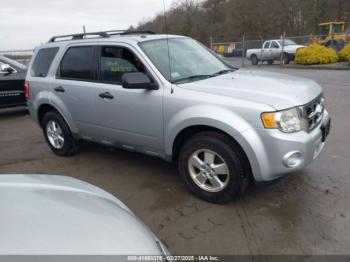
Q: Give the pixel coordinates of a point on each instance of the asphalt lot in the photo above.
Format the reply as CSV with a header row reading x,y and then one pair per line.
x,y
305,213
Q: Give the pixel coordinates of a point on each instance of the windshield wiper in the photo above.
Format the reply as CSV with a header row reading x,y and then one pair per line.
x,y
191,78
200,77
222,72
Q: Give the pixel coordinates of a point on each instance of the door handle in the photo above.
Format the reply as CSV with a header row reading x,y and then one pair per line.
x,y
60,89
106,95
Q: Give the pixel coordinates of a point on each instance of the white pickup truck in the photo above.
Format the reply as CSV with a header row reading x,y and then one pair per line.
x,y
273,50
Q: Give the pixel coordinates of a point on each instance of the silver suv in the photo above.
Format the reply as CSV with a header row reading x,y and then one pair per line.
x,y
171,97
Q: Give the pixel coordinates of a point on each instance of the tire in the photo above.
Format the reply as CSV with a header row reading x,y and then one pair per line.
x,y
270,62
336,45
54,124
332,44
285,59
226,152
254,59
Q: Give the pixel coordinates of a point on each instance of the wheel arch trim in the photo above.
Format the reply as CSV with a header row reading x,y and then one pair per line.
x,y
67,118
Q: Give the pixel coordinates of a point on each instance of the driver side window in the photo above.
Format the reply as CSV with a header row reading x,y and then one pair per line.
x,y
267,45
116,61
275,45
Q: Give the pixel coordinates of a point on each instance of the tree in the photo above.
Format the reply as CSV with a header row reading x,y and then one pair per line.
x,y
227,20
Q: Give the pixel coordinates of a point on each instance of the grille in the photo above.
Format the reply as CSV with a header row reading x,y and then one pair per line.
x,y
313,112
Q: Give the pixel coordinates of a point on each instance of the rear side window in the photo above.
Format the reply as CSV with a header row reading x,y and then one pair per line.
x,y
77,63
43,61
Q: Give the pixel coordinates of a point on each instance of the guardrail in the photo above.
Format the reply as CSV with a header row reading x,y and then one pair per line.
x,y
21,56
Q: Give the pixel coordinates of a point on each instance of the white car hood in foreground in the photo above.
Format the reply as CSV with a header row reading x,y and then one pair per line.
x,y
277,90
53,215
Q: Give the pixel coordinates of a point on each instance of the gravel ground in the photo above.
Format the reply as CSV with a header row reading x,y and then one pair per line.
x,y
305,213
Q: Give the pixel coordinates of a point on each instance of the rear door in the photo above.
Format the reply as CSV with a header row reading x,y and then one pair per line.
x,y
11,87
74,85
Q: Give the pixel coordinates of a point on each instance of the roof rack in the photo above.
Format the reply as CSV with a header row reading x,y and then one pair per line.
x,y
78,36
104,34
136,32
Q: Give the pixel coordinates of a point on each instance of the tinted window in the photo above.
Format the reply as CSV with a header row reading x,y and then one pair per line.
x,y
77,63
115,61
267,45
274,45
43,61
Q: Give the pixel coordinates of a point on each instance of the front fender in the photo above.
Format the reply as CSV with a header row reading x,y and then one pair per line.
x,y
203,115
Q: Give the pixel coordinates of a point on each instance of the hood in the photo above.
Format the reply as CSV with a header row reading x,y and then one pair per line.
x,y
277,90
293,48
53,215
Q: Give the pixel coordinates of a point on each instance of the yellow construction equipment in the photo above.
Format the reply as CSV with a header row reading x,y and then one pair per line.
x,y
333,34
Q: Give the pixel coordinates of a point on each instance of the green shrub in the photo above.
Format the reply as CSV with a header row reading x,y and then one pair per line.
x,y
344,54
316,54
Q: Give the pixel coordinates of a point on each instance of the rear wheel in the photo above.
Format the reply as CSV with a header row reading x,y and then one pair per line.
x,y
254,59
213,168
58,135
336,45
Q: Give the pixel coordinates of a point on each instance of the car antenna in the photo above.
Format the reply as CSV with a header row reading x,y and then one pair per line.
x,y
167,41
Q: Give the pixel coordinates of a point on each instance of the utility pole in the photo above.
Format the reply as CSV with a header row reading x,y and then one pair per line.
x,y
84,29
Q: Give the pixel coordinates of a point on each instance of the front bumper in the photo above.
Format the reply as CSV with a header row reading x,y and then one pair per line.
x,y
271,148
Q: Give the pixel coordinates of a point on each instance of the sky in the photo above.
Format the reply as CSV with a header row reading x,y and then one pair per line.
x,y
28,23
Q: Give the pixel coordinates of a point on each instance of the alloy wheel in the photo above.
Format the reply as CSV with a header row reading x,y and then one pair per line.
x,y
208,170
55,134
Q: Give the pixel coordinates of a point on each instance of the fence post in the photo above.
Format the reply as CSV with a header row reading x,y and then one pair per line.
x,y
211,42
282,53
243,51
311,39
261,51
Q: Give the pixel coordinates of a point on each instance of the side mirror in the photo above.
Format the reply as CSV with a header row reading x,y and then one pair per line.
x,y
6,68
137,81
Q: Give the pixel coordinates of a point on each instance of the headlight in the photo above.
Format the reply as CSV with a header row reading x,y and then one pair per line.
x,y
288,121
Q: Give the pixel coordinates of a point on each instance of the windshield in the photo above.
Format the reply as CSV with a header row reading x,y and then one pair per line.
x,y
189,60
287,42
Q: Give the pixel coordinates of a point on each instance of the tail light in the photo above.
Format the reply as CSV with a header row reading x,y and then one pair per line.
x,y
27,90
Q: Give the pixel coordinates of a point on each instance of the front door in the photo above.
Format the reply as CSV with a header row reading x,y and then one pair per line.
x,y
275,51
11,88
266,51
132,119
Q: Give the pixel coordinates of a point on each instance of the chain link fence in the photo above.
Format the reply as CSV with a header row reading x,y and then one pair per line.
x,y
238,49
234,49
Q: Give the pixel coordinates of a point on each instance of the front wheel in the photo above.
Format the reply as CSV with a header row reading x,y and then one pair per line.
x,y
285,59
58,135
213,168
